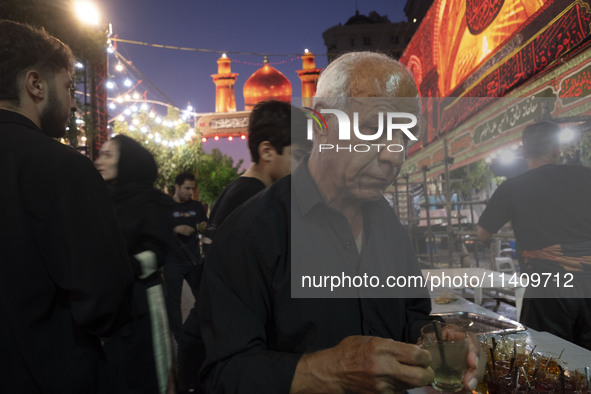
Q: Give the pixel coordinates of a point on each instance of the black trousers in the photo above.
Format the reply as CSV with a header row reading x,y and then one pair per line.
x,y
190,355
175,272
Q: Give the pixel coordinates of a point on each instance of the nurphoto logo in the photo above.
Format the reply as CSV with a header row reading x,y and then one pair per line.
x,y
402,121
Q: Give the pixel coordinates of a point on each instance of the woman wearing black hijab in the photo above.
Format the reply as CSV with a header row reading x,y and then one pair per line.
x,y
139,358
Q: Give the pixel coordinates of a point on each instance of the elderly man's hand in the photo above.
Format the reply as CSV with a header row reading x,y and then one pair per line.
x,y
363,364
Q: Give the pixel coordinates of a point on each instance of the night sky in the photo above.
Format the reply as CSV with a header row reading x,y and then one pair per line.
x,y
261,26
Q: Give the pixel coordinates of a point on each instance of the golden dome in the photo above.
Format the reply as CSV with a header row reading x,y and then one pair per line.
x,y
266,83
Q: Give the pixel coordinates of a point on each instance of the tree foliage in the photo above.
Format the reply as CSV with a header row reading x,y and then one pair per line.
x,y
480,175
162,136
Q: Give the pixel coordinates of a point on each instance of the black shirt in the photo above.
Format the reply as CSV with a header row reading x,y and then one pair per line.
x,y
254,331
548,205
189,213
64,270
236,193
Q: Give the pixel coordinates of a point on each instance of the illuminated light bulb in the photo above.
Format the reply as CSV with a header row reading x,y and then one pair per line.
x,y
121,118
146,142
83,139
110,85
191,132
127,112
127,82
79,121
144,107
79,65
158,120
243,137
119,99
119,67
136,96
143,129
203,139
87,12
216,138
414,20
151,114
157,139
224,55
136,122
507,157
110,49
112,106
567,135
131,128
170,144
127,97
133,108
306,50
164,142
230,138
151,136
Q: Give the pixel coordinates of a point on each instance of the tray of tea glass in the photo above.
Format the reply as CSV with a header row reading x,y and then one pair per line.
x,y
480,324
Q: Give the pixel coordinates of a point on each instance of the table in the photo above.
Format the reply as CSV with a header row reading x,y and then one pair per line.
x,y
477,279
575,356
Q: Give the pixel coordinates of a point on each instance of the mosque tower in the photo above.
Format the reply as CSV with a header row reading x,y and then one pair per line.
x,y
267,83
225,99
309,76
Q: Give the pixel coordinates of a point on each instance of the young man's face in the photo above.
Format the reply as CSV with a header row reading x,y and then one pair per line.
x,y
281,163
59,105
186,191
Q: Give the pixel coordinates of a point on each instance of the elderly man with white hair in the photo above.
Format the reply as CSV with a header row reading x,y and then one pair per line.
x,y
262,333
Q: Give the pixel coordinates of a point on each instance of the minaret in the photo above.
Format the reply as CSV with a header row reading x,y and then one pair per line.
x,y
309,76
225,100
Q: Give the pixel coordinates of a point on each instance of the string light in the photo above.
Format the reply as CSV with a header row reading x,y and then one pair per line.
x,y
230,138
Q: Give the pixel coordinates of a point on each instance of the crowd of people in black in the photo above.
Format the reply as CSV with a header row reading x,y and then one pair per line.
x,y
94,257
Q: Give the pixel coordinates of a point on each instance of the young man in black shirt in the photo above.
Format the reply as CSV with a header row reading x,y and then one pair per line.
x,y
550,213
274,149
65,278
189,219
277,143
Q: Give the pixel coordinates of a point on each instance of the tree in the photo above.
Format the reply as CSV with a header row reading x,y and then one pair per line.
x,y
176,148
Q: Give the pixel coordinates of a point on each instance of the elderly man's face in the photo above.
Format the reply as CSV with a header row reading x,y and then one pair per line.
x,y
363,174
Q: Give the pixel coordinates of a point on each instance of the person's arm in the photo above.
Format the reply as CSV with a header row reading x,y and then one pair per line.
x,y
483,234
362,364
236,313
496,213
96,271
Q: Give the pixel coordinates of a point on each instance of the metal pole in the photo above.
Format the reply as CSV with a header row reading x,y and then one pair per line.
x,y
430,239
450,243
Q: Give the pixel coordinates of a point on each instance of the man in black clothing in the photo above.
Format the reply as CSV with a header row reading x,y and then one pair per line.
x,y
65,276
549,210
277,142
260,339
189,219
274,149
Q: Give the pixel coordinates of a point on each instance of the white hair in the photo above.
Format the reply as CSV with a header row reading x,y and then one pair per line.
x,y
334,79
